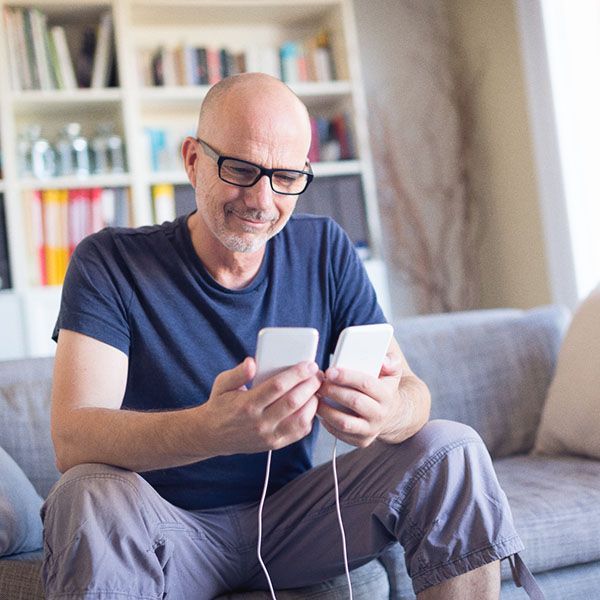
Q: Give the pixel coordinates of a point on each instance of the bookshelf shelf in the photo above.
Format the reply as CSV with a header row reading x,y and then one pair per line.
x,y
67,97
138,111
90,181
309,92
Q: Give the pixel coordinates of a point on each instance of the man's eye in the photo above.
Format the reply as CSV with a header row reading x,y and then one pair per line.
x,y
287,177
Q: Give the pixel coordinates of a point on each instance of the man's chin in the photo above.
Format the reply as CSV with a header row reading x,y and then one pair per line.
x,y
246,244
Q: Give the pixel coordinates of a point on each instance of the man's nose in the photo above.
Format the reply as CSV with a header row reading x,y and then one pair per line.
x,y
260,195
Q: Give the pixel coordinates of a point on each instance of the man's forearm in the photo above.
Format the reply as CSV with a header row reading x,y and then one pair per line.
x,y
138,441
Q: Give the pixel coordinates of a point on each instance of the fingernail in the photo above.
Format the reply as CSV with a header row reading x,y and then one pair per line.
x,y
332,373
313,367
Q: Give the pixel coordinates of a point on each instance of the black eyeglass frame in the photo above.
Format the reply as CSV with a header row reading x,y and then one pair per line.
x,y
220,159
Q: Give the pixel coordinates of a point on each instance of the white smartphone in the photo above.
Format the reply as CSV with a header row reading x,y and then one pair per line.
x,y
363,348
278,348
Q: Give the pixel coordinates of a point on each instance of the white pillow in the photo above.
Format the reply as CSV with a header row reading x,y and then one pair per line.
x,y
20,522
571,416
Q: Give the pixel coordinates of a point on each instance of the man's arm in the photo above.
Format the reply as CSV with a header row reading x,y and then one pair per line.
x,y
391,407
88,424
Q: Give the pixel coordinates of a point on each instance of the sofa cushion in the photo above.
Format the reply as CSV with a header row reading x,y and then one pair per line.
x,y
20,522
556,508
488,369
25,387
571,418
20,580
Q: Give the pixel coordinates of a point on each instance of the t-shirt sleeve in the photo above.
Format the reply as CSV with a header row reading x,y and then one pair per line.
x,y
95,295
355,300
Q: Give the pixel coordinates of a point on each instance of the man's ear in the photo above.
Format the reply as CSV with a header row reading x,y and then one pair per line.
x,y
189,153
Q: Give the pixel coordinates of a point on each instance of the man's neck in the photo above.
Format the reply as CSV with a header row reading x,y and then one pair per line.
x,y
232,270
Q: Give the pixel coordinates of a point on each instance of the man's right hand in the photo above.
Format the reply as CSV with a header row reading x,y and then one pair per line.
x,y
272,415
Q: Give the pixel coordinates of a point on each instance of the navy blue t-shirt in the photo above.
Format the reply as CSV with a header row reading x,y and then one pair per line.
x,y
146,292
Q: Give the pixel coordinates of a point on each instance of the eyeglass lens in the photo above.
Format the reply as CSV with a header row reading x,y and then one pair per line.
x,y
241,173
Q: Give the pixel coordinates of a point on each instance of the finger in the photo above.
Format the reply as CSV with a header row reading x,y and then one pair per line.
x,y
349,398
236,378
280,384
344,423
360,441
292,401
299,424
367,384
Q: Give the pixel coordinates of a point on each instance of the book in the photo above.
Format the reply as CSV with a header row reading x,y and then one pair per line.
x,y
78,217
84,61
102,52
25,75
13,48
56,249
34,235
5,279
163,202
42,60
30,52
202,66
63,57
213,61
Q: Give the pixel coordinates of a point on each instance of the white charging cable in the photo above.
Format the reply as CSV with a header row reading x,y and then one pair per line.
x,y
339,515
260,511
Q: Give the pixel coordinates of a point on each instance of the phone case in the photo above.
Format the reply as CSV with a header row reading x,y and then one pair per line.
x,y
278,348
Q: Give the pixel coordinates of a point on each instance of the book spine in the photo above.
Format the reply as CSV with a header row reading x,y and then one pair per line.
x,y
163,199
5,279
214,65
102,52
31,57
96,218
39,48
65,63
202,62
13,48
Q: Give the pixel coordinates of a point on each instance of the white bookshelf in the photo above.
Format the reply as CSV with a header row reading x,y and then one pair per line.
x,y
134,105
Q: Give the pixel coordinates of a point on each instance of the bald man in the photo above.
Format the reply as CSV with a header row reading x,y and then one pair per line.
x,y
161,442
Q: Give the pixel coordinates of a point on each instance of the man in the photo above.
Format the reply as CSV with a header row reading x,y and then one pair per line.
x,y
155,337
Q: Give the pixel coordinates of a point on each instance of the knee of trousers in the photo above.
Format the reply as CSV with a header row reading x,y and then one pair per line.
x,y
452,484
92,496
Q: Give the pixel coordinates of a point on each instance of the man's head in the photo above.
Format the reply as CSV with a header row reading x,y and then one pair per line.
x,y
256,118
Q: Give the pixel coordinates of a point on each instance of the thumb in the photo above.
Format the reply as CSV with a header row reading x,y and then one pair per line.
x,y
236,378
392,366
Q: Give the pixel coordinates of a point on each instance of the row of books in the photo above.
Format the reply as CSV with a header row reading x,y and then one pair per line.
x,y
190,65
57,220
39,54
331,138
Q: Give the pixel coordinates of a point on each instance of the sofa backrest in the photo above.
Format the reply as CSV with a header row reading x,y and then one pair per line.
x,y
25,387
489,369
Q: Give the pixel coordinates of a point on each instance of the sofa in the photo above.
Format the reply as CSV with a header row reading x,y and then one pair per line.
x,y
489,369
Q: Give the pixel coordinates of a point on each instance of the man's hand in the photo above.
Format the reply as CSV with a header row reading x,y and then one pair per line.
x,y
272,415
391,407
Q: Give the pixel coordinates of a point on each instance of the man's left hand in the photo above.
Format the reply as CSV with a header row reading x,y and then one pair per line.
x,y
390,407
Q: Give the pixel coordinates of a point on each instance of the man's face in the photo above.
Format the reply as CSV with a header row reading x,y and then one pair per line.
x,y
244,218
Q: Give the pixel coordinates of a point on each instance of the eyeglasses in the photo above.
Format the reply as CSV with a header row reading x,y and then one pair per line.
x,y
245,174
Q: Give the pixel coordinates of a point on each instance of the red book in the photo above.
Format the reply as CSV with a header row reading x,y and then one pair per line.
x,y
213,62
96,218
314,153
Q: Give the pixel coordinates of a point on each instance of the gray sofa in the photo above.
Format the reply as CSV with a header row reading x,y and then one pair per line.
x,y
489,369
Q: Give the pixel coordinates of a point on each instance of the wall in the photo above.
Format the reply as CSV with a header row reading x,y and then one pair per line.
x,y
513,258
395,44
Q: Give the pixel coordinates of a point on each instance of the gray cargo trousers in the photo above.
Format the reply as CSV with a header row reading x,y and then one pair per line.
x,y
109,535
